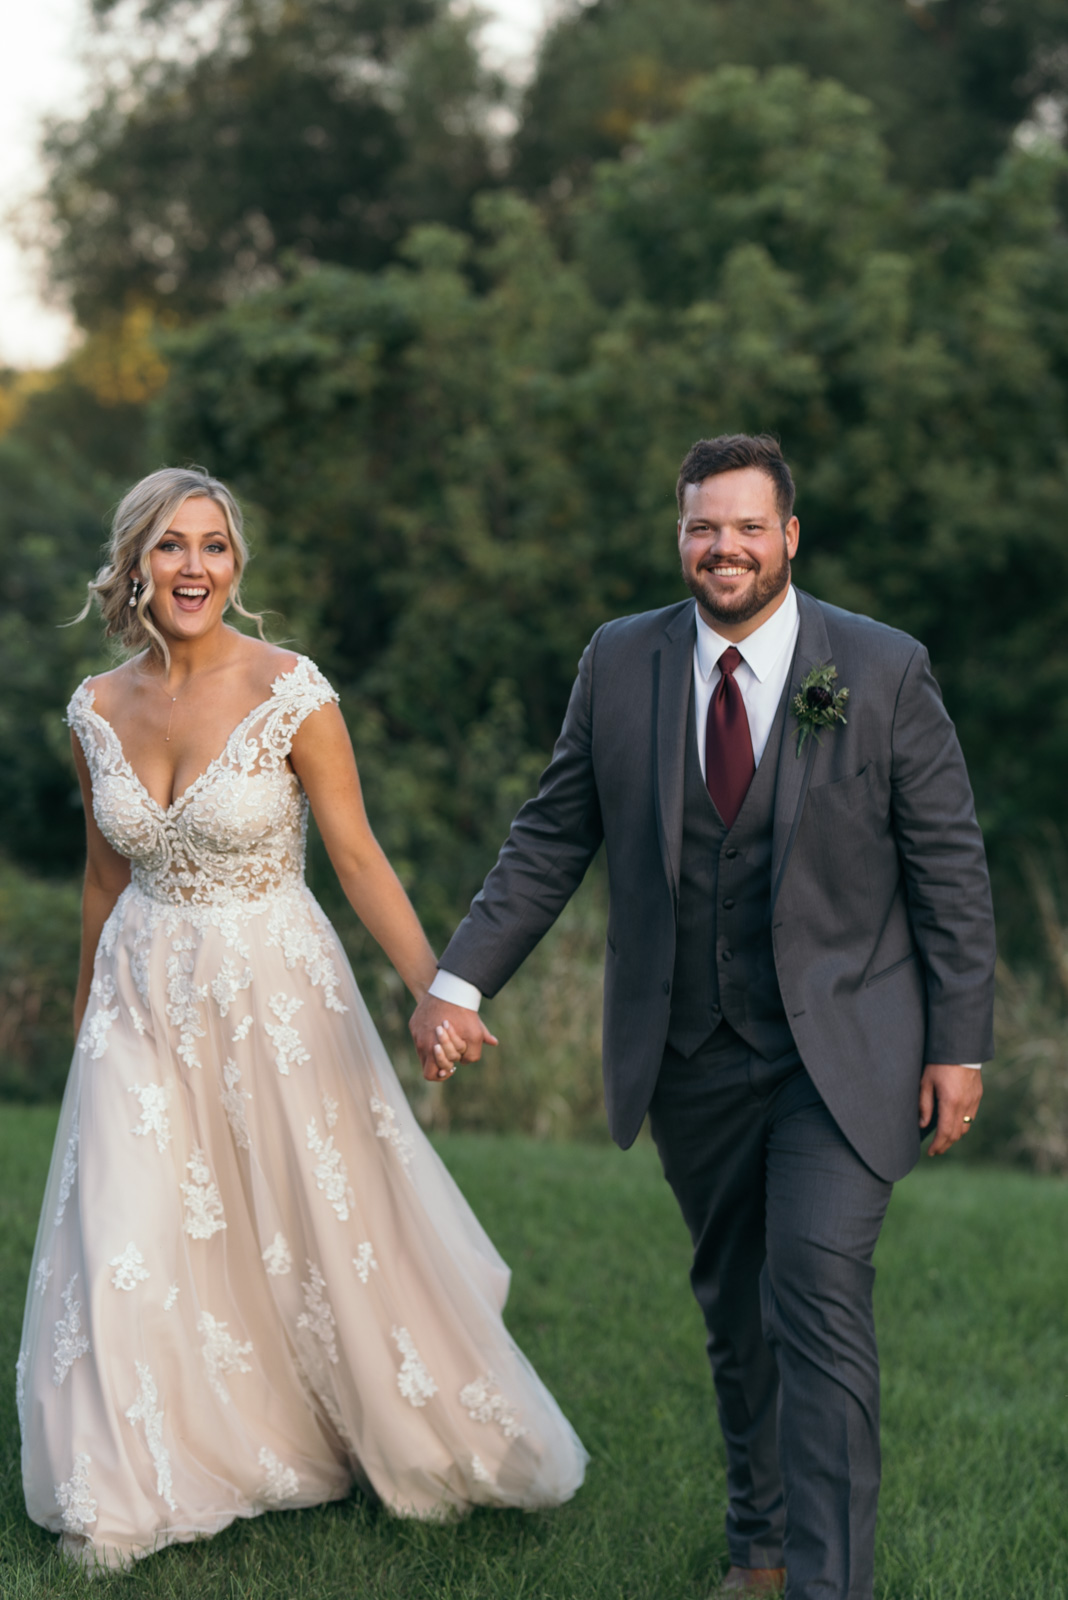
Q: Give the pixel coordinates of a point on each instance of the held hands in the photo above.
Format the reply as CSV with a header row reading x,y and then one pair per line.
x,y
445,1034
956,1092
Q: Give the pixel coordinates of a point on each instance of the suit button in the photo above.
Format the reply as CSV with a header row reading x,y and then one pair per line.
x,y
728,905
715,1011
728,955
667,987
731,853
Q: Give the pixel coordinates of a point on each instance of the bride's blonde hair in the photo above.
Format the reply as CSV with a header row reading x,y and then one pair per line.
x,y
143,516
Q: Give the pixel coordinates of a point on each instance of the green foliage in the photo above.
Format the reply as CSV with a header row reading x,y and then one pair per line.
x,y
949,80
40,927
969,1299
315,131
473,454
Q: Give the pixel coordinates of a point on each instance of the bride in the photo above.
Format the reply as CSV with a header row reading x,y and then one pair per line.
x,y
254,1282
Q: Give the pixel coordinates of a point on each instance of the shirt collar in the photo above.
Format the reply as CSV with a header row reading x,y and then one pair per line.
x,y
760,651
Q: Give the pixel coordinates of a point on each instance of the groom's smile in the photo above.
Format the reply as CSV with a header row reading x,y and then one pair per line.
x,y
736,550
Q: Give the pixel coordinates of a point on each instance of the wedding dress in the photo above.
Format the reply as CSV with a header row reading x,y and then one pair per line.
x,y
254,1282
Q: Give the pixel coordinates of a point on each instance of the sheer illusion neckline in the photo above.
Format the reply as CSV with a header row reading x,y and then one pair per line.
x,y
89,695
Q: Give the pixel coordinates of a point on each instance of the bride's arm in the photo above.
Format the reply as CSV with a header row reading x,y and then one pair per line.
x,y
323,761
106,876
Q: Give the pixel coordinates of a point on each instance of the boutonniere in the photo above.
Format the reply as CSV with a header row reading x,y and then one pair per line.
x,y
818,704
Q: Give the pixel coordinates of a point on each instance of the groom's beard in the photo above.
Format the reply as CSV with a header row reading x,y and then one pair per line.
x,y
746,602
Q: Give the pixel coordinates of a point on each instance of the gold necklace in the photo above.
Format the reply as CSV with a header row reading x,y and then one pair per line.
x,y
170,719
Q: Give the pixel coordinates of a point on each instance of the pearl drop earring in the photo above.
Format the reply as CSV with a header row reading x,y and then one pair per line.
x,y
136,592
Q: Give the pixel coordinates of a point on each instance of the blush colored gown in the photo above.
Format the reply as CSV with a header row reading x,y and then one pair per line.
x,y
254,1282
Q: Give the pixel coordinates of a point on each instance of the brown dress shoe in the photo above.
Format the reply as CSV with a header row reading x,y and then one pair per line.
x,y
754,1580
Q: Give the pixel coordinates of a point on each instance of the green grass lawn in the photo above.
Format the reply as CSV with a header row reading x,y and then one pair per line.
x,y
973,1317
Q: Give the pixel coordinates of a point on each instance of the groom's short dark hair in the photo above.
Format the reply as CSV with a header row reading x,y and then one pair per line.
x,y
729,453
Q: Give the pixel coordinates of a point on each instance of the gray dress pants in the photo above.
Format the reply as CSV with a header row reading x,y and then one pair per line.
x,y
784,1218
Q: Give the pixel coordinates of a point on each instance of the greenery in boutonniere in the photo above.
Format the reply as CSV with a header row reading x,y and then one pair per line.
x,y
818,704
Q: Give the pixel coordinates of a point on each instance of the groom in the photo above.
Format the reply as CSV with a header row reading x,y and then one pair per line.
x,y
799,976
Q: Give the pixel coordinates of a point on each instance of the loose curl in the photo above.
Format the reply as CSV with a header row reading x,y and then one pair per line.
x,y
143,516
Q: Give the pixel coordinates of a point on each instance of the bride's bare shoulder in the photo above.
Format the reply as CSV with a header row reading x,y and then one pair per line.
x,y
110,689
263,664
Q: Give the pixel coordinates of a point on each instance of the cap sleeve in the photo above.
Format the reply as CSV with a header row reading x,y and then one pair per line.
x,y
93,733
294,696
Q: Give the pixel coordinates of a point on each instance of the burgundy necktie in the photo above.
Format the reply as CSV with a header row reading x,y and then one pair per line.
x,y
729,764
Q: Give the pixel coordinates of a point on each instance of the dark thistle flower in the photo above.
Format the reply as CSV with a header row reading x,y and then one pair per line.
x,y
818,703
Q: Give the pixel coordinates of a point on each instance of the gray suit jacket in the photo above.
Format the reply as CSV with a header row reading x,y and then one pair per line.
x,y
880,904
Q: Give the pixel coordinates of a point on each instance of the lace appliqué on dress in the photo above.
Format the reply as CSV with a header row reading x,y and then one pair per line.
x,y
44,1272
184,996
288,1045
277,1257
302,940
203,1207
130,1269
228,984
68,1173
146,1409
76,1505
68,1341
318,1316
484,1402
154,1099
222,1353
233,1103
413,1379
281,1482
330,1173
94,1040
364,1261
170,1299
386,1128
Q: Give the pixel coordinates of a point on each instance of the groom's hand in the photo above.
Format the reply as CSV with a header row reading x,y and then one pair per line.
x,y
435,1024
955,1093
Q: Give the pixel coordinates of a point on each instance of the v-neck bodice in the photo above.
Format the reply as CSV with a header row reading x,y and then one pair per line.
x,y
238,830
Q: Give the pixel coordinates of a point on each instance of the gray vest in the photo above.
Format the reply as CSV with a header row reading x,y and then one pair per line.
x,y
724,961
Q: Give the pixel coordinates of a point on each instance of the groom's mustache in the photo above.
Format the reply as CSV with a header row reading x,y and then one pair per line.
x,y
713,565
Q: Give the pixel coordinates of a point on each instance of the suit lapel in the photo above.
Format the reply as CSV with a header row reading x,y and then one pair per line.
x,y
673,672
794,771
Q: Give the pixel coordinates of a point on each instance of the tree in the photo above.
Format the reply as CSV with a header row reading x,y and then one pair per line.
x,y
318,131
950,80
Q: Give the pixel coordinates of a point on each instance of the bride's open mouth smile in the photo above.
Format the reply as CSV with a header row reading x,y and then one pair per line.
x,y
190,597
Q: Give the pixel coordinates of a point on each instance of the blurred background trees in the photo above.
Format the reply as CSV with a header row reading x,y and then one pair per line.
x,y
452,375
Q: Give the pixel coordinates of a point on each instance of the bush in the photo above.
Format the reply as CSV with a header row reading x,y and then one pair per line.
x,y
40,931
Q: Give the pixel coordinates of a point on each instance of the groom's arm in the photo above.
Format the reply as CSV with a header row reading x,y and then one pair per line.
x,y
542,862
948,889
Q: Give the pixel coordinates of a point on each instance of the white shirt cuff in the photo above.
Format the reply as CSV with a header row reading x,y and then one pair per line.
x,y
457,991
974,1065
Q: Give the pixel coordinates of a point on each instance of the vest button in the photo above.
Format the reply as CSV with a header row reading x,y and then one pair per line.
x,y
728,905
728,955
731,853
667,987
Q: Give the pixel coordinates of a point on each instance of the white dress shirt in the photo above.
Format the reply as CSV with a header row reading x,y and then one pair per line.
x,y
765,666
766,657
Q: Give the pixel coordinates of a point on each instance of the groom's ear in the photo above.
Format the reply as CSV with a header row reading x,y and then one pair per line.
x,y
792,534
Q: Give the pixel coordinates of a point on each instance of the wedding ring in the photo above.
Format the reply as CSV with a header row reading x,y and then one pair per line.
x,y
967,1119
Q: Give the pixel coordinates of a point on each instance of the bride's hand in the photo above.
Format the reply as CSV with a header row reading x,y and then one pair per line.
x,y
449,1048
445,1034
